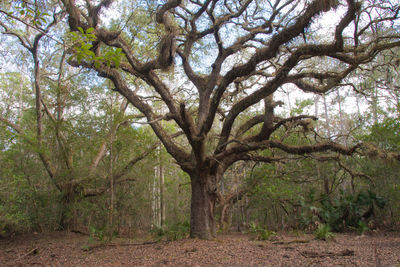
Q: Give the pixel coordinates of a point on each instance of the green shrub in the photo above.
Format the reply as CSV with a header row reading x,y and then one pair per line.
x,y
178,231
347,210
174,231
362,227
157,230
261,232
323,232
96,233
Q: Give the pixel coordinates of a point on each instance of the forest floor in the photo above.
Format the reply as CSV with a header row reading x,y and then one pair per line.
x,y
70,249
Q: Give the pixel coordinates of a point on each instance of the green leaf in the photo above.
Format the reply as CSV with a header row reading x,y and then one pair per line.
x,y
91,37
90,54
90,30
116,61
86,46
79,57
81,30
74,34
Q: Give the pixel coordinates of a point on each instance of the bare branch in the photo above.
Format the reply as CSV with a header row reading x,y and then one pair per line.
x,y
11,124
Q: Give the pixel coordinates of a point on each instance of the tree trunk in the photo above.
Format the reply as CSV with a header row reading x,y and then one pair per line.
x,y
226,216
66,222
328,132
112,194
162,190
202,223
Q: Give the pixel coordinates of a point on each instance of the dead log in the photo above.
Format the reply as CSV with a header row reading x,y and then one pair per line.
x,y
316,254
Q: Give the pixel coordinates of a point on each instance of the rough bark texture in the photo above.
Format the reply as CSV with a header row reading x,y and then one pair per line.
x,y
202,223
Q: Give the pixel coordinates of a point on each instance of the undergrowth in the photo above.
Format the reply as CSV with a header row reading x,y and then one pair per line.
x,y
261,233
171,232
323,232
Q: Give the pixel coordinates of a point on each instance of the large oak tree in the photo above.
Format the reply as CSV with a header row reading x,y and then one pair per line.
x,y
230,57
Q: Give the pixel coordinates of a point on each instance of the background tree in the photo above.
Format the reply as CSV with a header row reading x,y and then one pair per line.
x,y
72,137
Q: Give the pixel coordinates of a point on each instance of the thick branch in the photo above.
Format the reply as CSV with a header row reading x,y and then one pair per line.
x,y
242,147
271,49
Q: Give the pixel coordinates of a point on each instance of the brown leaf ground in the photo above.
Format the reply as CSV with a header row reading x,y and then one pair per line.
x,y
69,249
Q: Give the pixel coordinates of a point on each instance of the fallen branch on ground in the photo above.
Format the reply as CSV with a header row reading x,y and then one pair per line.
x,y
101,245
315,254
32,251
290,242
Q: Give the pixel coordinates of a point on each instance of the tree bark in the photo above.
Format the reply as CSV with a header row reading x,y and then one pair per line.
x,y
66,220
202,222
162,194
226,216
112,191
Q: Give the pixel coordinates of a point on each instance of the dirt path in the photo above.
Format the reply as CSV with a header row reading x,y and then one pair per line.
x,y
68,249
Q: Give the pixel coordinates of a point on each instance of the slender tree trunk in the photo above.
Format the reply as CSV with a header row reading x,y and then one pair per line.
x,y
226,216
162,191
154,198
38,97
375,105
202,223
328,132
341,119
111,175
327,119
111,207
